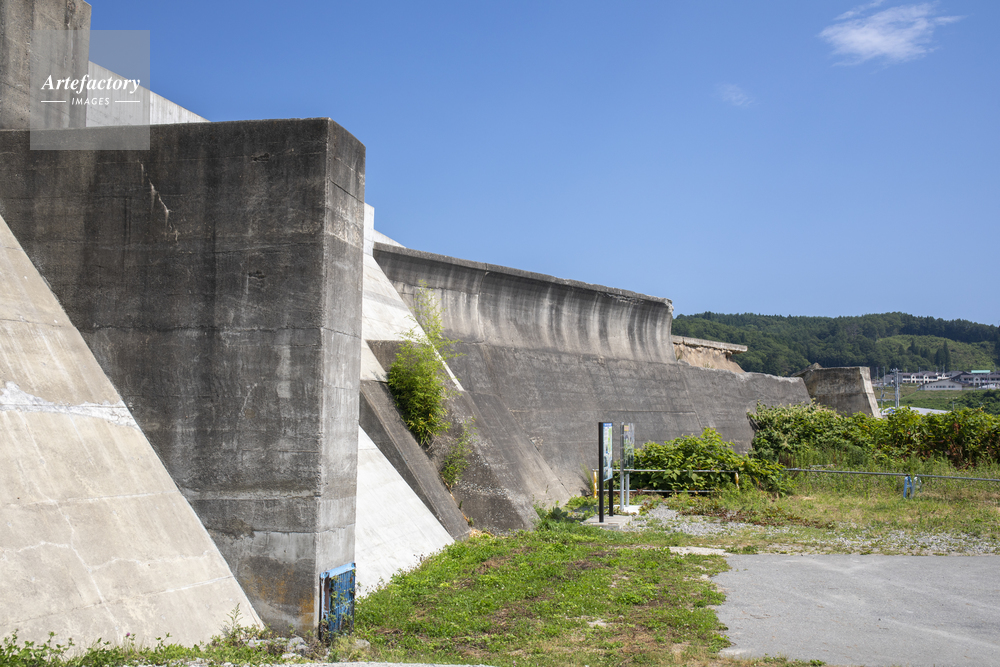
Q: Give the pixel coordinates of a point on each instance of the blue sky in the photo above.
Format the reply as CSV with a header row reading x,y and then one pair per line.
x,y
780,157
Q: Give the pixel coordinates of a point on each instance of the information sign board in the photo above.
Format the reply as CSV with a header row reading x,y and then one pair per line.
x,y
628,446
607,441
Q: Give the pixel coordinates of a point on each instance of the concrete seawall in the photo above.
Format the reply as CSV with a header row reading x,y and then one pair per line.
x,y
217,279
543,360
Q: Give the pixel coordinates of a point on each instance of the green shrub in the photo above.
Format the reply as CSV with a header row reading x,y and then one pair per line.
x,y
786,433
417,378
457,459
797,434
675,460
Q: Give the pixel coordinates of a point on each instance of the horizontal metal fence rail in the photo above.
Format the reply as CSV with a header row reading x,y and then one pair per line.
x,y
895,474
661,470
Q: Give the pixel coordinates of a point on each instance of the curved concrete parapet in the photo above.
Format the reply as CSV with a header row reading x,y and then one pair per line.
x,y
543,360
496,305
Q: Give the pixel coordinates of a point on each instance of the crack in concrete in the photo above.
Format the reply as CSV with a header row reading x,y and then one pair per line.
x,y
13,398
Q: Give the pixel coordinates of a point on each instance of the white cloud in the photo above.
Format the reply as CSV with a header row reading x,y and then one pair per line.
x,y
734,95
857,11
896,34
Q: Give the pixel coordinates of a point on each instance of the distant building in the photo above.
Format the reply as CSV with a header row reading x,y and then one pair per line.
x,y
980,379
924,377
946,384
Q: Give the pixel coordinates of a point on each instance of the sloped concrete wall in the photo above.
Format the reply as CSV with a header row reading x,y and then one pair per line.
x,y
395,530
95,538
543,360
385,320
217,278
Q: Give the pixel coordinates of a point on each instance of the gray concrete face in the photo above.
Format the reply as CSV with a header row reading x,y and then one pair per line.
x,y
217,278
543,360
96,540
17,19
847,390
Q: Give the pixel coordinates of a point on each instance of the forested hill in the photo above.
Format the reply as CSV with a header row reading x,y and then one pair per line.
x,y
784,345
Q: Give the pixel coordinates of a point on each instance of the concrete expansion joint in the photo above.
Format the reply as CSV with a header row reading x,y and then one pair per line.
x,y
48,502
350,334
148,562
341,188
231,330
197,494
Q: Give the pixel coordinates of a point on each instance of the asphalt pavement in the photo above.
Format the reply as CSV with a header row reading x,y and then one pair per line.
x,y
872,610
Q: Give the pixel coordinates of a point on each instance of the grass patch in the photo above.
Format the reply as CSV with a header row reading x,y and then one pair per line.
x,y
859,514
570,595
237,644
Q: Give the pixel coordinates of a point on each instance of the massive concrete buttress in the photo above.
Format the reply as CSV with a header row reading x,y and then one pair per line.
x,y
544,359
217,277
17,19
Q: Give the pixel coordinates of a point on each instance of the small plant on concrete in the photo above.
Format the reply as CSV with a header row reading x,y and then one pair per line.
x,y
417,378
457,459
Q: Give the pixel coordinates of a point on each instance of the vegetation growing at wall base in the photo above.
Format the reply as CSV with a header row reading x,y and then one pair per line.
x,y
676,460
965,438
417,378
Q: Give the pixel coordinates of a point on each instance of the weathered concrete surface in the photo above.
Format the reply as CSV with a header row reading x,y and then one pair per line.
x,y
847,390
707,353
17,19
545,359
217,278
395,530
95,538
873,610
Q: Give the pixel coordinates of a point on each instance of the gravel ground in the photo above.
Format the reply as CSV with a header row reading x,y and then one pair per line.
x,y
895,542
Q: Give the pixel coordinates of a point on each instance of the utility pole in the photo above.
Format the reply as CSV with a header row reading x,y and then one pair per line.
x,y
895,381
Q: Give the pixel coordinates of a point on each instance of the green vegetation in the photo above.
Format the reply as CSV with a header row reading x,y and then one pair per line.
x,y
910,396
238,644
676,460
457,459
792,434
784,345
417,378
567,595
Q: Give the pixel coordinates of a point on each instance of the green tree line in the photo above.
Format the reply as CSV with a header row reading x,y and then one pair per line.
x,y
782,345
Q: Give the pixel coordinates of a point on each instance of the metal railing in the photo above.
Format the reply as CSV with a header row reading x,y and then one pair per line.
x,y
912,482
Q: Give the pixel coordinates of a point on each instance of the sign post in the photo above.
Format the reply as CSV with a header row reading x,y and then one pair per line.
x,y
628,462
605,438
